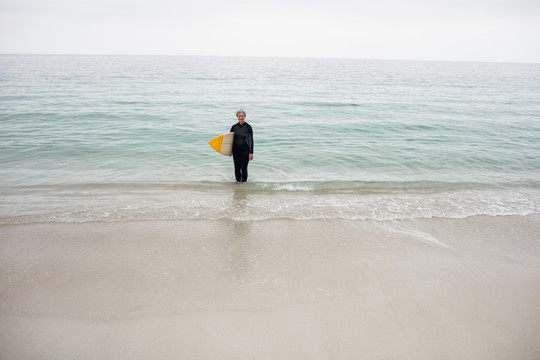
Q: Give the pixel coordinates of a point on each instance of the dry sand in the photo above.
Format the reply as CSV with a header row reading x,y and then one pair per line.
x,y
280,289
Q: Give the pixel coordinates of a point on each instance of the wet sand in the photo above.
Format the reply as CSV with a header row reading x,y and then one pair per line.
x,y
279,289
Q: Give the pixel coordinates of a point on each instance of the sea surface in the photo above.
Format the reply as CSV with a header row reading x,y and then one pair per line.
x,y
122,138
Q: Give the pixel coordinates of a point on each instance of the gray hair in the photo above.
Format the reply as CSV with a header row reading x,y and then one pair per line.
x,y
240,111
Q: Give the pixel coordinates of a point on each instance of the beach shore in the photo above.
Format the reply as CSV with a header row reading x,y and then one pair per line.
x,y
277,289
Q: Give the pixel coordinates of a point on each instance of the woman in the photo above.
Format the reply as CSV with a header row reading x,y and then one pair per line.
x,y
242,146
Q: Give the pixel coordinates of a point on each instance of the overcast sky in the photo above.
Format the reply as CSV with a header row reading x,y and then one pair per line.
x,y
468,30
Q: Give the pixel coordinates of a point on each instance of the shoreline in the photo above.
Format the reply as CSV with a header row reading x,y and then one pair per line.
x,y
339,289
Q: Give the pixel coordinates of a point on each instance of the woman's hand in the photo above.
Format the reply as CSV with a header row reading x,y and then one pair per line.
x,y
250,157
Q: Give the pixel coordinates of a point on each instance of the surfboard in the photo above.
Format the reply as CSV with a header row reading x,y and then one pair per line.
x,y
223,143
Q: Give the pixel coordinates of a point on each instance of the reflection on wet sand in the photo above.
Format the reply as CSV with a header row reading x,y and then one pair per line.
x,y
239,234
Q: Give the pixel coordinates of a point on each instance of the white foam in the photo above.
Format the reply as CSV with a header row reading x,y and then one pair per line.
x,y
287,201
422,236
286,187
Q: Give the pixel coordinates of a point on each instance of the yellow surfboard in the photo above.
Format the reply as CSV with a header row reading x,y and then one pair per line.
x,y
223,143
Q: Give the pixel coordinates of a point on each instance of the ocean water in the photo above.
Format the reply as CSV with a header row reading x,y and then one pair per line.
x,y
121,138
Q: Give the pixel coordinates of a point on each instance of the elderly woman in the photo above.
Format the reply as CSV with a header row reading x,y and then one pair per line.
x,y
242,146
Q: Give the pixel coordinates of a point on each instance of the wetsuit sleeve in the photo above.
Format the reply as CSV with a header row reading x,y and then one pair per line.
x,y
250,141
232,128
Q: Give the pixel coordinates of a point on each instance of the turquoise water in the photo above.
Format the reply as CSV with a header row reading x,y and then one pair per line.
x,y
105,138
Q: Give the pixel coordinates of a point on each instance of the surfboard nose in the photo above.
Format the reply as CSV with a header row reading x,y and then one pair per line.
x,y
223,143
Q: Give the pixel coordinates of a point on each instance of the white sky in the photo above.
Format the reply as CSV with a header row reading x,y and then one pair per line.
x,y
468,30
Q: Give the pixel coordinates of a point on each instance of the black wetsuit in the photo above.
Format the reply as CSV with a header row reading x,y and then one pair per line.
x,y
242,147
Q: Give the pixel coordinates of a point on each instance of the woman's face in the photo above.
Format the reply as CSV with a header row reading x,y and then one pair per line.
x,y
241,117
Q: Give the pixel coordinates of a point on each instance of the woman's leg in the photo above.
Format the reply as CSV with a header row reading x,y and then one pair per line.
x,y
244,161
237,164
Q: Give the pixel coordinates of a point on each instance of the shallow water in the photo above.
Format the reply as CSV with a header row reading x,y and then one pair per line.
x,y
104,138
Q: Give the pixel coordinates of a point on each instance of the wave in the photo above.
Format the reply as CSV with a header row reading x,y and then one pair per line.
x,y
328,104
255,201
337,186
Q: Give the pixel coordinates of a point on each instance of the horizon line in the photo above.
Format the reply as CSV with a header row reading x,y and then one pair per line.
x,y
271,57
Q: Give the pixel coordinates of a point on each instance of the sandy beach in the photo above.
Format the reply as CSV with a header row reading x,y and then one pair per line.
x,y
278,289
